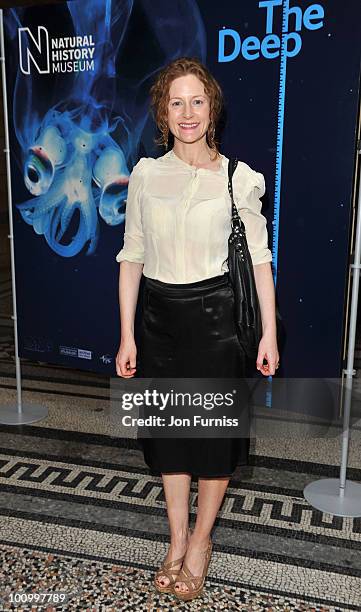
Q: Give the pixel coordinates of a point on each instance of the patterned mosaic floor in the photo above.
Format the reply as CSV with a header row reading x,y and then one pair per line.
x,y
96,529
80,515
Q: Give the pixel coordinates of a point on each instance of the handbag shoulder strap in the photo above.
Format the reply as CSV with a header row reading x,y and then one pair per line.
x,y
236,219
232,165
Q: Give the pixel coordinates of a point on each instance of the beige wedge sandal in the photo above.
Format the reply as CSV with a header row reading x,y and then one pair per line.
x,y
195,584
166,569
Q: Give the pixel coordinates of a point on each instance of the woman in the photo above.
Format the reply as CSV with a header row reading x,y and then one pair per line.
x,y
176,235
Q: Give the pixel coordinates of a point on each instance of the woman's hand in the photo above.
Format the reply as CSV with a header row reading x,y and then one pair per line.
x,y
125,360
267,349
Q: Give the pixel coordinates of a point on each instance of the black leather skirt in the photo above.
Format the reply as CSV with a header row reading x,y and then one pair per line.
x,y
188,330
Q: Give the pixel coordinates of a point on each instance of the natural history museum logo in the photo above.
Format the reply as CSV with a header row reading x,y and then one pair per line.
x,y
47,55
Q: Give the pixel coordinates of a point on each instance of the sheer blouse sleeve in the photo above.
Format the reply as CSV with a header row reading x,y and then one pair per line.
x,y
133,246
248,188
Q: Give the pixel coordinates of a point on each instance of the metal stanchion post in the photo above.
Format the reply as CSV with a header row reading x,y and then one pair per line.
x,y
340,496
19,413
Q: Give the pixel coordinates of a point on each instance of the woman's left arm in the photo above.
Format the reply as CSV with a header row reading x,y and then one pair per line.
x,y
267,347
249,187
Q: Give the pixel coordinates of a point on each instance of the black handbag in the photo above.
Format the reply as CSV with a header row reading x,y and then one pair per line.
x,y
247,309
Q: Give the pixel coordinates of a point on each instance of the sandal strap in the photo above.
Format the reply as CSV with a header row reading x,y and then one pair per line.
x,y
189,579
186,576
170,575
166,569
170,564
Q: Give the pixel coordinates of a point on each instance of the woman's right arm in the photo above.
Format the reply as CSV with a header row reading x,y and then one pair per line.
x,y
131,260
129,279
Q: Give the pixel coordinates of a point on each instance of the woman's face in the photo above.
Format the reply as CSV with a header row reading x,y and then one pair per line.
x,y
188,109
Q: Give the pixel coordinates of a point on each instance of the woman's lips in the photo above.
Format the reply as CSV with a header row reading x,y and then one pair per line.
x,y
188,127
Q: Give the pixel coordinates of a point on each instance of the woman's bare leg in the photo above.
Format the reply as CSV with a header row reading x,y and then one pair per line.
x,y
176,490
210,496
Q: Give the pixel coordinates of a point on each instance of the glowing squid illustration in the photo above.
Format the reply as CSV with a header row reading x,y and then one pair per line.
x,y
70,168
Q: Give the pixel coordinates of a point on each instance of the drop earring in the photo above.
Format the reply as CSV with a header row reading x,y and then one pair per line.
x,y
165,138
211,134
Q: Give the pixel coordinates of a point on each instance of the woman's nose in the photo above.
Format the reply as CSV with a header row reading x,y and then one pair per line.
x,y
188,111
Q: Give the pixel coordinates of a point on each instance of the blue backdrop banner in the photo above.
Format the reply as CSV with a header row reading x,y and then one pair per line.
x,y
78,79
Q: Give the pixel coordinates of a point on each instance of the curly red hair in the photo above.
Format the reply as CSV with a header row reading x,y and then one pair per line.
x,y
159,93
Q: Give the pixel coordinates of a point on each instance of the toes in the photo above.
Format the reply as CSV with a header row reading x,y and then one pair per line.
x,y
180,586
163,581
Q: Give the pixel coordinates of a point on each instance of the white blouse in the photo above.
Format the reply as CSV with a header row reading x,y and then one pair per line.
x,y
178,218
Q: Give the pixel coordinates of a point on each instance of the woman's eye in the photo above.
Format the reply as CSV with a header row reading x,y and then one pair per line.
x,y
176,103
200,102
